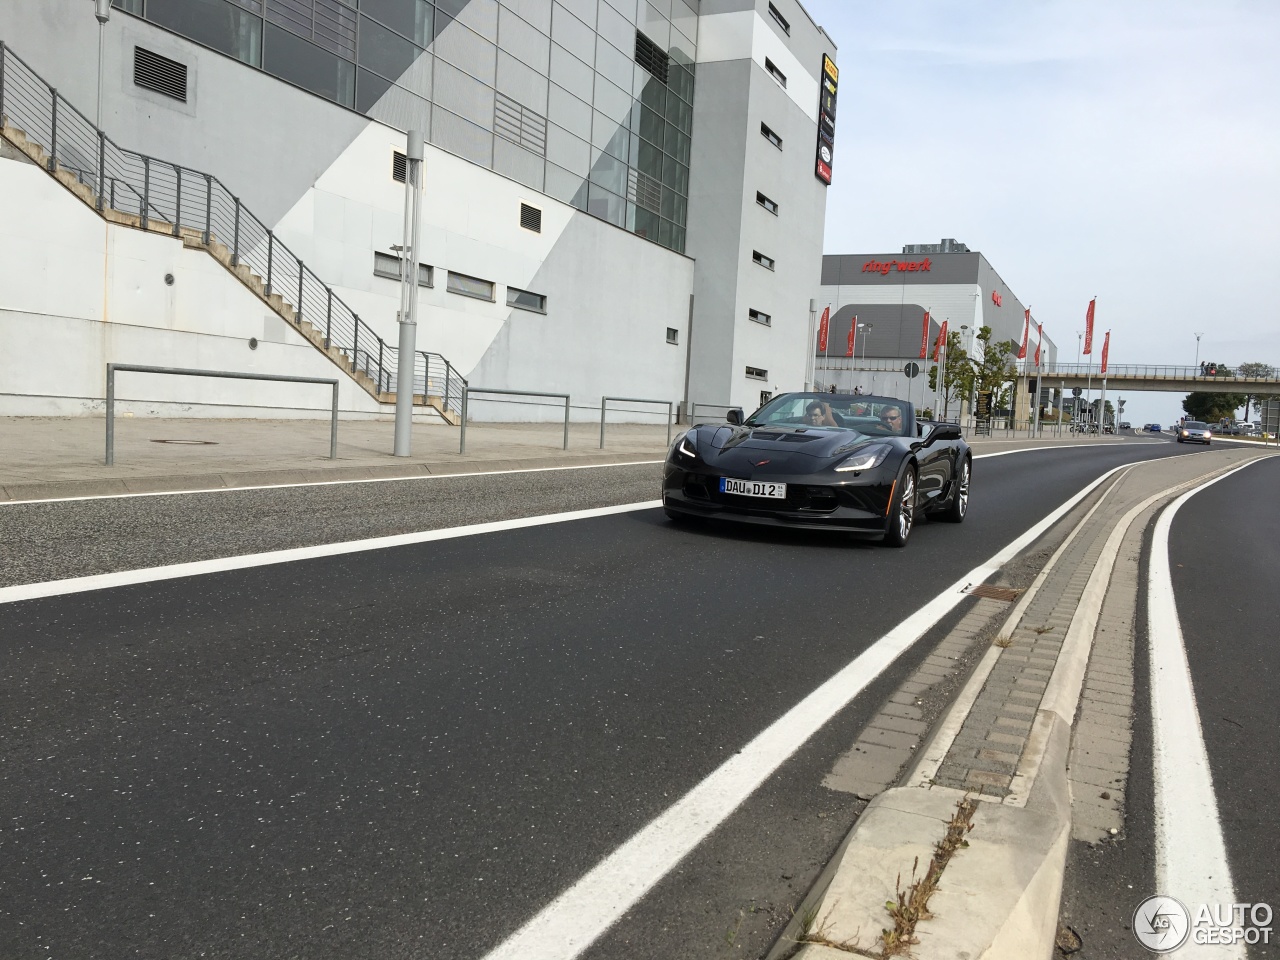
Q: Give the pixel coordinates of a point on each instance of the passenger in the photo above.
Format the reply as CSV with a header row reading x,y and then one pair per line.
x,y
818,414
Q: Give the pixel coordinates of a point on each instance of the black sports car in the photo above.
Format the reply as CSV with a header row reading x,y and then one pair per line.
x,y
859,464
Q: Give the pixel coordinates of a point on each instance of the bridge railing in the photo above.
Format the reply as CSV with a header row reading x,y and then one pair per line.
x,y
834,368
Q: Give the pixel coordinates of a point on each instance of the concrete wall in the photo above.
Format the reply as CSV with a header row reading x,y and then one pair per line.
x,y
77,293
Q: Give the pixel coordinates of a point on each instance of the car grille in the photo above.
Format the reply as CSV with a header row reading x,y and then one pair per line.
x,y
809,499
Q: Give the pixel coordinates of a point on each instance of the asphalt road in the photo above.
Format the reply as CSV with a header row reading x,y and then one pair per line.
x,y
407,752
1224,551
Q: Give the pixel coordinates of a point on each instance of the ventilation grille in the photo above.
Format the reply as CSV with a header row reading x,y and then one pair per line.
x,y
515,122
154,72
530,218
644,191
652,57
399,163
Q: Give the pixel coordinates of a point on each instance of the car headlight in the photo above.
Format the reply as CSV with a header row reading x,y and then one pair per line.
x,y
864,459
1208,434
1185,434
686,447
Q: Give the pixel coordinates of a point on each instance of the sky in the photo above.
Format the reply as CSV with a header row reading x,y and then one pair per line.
x,y
1126,150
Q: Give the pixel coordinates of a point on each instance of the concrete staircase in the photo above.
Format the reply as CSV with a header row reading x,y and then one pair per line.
x,y
194,239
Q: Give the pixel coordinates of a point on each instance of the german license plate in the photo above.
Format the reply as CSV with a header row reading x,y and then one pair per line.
x,y
753,488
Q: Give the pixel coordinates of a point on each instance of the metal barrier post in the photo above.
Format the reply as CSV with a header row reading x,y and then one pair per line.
x,y
102,167
297,309
271,244
208,208
382,344
603,400
53,146
355,346
235,243
111,414
462,434
333,425
1,83
146,190
328,318
447,375
566,423
670,418
177,206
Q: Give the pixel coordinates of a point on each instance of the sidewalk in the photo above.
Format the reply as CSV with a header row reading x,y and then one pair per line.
x,y
48,457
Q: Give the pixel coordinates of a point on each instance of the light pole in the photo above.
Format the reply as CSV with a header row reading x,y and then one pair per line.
x,y
101,10
409,257
1075,406
867,327
1198,336
810,359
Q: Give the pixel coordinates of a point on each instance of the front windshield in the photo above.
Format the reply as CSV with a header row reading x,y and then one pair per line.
x,y
1195,425
874,418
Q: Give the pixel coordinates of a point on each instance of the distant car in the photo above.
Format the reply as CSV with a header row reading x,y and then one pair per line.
x,y
1126,425
858,464
1154,427
1249,430
1193,431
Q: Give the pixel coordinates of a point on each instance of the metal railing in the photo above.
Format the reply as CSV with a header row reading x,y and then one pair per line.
x,y
114,368
833,366
605,400
466,394
174,199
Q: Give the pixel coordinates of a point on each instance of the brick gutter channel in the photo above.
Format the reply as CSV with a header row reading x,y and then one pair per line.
x,y
1040,732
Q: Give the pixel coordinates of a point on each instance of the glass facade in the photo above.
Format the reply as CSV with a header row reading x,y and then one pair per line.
x,y
551,93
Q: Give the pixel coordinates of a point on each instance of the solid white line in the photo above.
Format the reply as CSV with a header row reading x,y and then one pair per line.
x,y
319,483
579,915
1191,854
101,581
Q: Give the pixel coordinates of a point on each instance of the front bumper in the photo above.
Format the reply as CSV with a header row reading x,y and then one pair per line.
x,y
856,505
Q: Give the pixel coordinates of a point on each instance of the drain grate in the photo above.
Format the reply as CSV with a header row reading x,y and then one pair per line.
x,y
993,592
194,443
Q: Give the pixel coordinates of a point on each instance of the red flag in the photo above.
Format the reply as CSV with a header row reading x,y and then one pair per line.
x,y
1039,343
1088,327
823,329
1106,346
853,335
924,337
942,338
1026,329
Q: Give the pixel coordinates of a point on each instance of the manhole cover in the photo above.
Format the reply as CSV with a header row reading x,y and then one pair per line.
x,y
994,593
195,443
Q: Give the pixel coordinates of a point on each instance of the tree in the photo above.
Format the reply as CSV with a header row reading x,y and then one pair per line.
x,y
1259,370
1212,407
996,368
959,373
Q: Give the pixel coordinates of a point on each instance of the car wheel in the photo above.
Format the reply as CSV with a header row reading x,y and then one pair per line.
x,y
902,514
959,504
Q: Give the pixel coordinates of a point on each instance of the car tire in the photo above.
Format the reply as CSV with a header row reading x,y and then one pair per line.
x,y
902,512
959,505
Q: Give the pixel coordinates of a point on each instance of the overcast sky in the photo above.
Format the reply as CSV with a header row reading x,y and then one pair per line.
x,y
1128,150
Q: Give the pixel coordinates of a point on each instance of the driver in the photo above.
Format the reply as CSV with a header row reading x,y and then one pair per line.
x,y
891,418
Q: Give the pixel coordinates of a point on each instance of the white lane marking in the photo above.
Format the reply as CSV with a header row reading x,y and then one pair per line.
x,y
1065,446
579,915
432,476
1191,854
323,483
101,581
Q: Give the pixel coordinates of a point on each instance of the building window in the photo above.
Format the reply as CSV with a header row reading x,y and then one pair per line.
x,y
770,136
756,373
775,72
128,6
766,203
652,57
760,258
388,265
673,335
780,19
765,396
154,72
228,26
530,218
465,286
758,316
399,164
524,300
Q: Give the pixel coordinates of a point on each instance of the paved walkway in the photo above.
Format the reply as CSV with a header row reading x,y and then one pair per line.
x,y
44,457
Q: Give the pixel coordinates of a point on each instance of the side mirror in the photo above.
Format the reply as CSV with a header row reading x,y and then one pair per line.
x,y
945,431
734,416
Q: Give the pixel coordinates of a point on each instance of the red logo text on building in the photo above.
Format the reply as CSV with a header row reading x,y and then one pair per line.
x,y
996,298
903,266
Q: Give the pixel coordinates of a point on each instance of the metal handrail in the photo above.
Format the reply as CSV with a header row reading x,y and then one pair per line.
x,y
604,400
467,391
114,368
179,198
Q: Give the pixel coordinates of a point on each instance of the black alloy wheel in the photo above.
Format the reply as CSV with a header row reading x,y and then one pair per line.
x,y
959,504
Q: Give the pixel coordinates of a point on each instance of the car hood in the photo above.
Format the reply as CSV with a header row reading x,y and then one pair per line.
x,y
779,447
